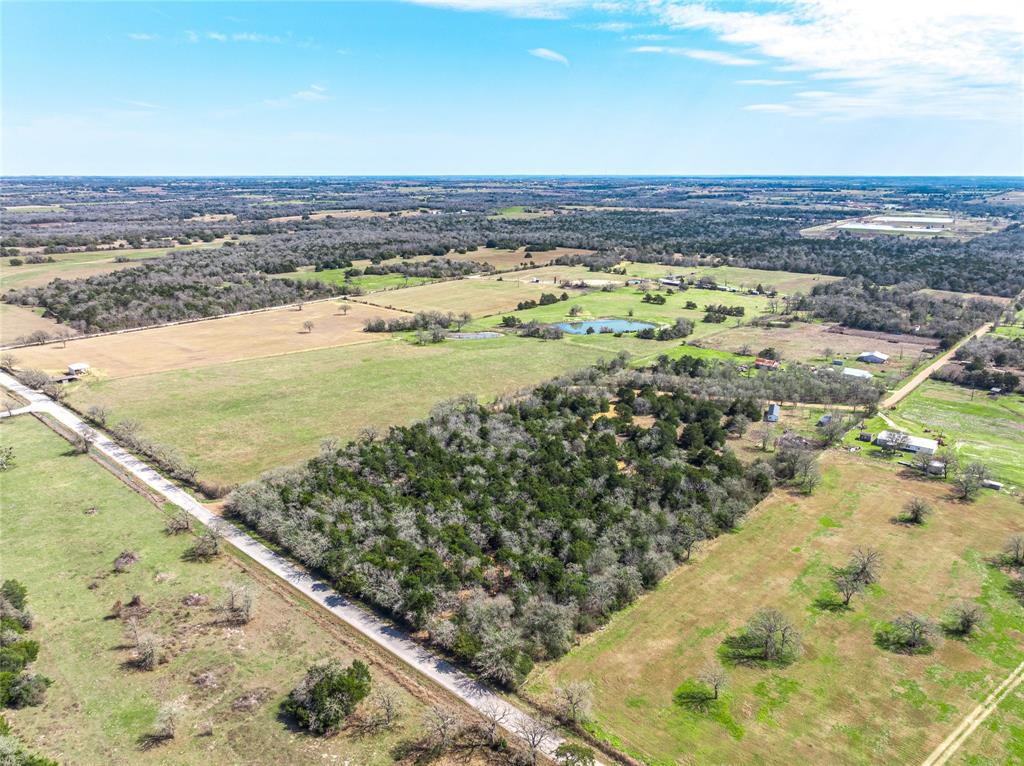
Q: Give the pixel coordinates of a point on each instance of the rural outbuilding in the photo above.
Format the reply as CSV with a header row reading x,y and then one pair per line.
x,y
873,357
772,415
766,364
853,372
78,368
913,444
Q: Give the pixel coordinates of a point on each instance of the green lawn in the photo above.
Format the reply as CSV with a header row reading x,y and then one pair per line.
x,y
987,429
368,282
845,700
236,420
598,304
734,276
65,519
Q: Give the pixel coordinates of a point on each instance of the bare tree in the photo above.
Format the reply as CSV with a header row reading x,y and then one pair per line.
x,y
775,636
865,564
238,604
715,677
206,546
963,618
535,732
969,480
8,361
575,701
494,718
1013,550
848,586
765,435
387,708
441,726
307,326
912,632
344,307
97,414
916,511
178,523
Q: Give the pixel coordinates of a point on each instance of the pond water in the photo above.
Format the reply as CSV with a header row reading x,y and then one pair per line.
x,y
614,325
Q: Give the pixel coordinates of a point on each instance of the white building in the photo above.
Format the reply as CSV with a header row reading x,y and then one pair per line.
x,y
873,357
912,444
78,368
853,372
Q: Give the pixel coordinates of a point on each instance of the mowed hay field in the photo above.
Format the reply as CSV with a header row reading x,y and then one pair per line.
x,y
503,259
553,275
480,297
209,342
65,520
19,321
236,420
845,700
786,282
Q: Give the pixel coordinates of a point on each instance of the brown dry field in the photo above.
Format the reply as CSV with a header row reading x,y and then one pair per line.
x,y
950,294
845,700
209,342
552,275
480,297
805,342
17,321
503,260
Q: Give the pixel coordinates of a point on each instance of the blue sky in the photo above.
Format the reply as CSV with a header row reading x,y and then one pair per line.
x,y
928,87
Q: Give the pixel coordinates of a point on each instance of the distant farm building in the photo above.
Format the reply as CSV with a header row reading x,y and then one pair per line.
x,y
671,281
873,357
766,364
824,420
855,373
78,368
913,444
772,415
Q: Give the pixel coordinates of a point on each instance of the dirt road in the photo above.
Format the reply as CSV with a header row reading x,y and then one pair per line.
x,y
903,391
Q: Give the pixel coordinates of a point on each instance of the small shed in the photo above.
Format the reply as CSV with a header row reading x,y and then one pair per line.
x,y
873,357
853,372
991,484
837,362
865,436
766,364
772,414
824,420
78,368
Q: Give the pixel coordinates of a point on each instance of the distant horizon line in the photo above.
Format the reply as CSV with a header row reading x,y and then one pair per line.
x,y
508,175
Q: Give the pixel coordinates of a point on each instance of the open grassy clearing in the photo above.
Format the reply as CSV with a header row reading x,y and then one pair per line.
x,y
33,209
1015,330
786,282
807,342
65,520
983,428
238,419
320,215
212,341
19,321
369,282
522,212
1002,300
553,275
84,264
598,304
845,701
480,297
503,259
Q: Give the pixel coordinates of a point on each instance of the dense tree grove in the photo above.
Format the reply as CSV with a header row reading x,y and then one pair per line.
x,y
502,532
861,304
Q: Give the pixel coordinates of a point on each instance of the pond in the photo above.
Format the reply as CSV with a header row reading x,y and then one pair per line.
x,y
607,325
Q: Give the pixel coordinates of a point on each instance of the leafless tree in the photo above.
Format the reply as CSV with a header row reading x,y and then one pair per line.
x,y
387,707
848,585
535,732
344,307
916,511
307,326
178,523
773,634
441,726
897,442
575,701
494,718
714,675
765,435
206,546
1013,550
963,618
8,361
97,414
969,480
865,564
238,604
913,632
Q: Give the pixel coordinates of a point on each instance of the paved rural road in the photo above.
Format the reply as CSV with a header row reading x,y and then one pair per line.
x,y
903,391
952,743
386,635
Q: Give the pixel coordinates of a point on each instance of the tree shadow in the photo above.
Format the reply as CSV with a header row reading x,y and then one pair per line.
x,y
891,641
830,602
152,741
696,697
741,651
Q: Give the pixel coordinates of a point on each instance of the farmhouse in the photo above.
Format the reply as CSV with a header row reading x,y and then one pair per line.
x,y
671,281
766,364
772,415
914,444
873,357
855,373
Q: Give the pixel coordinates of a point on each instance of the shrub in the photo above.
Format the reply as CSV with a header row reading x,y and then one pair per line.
x,y
15,593
908,634
328,695
28,690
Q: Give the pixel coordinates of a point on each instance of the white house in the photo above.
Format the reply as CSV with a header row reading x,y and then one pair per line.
x,y
873,357
78,368
853,372
913,444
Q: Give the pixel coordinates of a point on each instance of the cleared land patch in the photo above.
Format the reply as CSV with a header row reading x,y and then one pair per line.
x,y
236,420
786,282
213,341
19,321
66,519
480,297
503,259
845,701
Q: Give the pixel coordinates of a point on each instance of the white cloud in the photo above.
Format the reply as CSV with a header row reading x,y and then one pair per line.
x,y
549,55
217,36
926,57
766,83
192,36
533,9
715,57
650,37
313,93
142,36
610,26
254,37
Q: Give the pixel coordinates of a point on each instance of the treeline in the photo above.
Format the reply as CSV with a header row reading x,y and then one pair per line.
x,y
186,286
903,308
502,532
19,687
984,362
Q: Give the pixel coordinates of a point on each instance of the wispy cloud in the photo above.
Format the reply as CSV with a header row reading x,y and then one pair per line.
x,y
715,57
140,104
219,37
237,37
653,37
549,55
313,93
940,57
766,83
532,9
609,26
142,36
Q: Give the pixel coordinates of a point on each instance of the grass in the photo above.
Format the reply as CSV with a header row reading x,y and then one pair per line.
x,y
521,212
786,282
238,419
480,297
369,282
18,321
33,208
844,701
65,520
982,428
